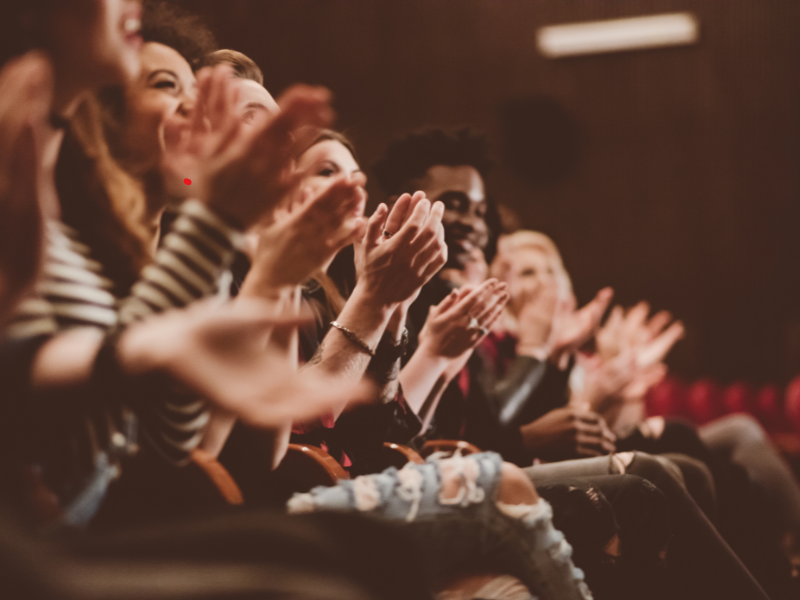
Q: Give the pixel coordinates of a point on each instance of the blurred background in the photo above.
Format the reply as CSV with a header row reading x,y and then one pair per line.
x,y
670,174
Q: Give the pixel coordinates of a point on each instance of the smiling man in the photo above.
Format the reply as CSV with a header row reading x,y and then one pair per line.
x,y
449,167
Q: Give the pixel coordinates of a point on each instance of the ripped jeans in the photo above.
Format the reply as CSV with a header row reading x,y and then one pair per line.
x,y
463,528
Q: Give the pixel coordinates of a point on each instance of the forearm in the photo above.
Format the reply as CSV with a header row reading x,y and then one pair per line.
x,y
66,360
420,377
342,357
385,370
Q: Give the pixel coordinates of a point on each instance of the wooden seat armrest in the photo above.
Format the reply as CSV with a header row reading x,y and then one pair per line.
x,y
448,446
305,467
398,455
219,476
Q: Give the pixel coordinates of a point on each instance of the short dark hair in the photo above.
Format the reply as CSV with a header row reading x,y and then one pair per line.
x,y
184,32
243,66
408,158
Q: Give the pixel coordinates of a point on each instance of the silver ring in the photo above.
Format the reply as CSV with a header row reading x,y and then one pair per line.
x,y
386,234
474,325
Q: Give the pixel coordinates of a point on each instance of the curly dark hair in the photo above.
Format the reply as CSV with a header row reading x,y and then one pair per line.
x,y
408,158
166,23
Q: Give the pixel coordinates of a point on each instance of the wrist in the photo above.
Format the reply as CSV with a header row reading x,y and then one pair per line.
x,y
426,353
261,283
397,322
540,352
371,306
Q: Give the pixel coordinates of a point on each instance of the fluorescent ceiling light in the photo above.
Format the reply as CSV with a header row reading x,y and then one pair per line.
x,y
616,35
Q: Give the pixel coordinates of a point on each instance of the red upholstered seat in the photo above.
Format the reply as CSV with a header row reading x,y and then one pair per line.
x,y
703,401
737,397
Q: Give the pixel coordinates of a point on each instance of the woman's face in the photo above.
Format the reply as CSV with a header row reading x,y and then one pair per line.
x,y
530,271
94,42
165,89
323,161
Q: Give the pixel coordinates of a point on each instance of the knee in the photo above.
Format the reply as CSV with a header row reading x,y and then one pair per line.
x,y
516,486
651,468
743,428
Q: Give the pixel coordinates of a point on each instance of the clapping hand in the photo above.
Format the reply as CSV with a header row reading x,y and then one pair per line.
x,y
25,97
242,172
222,354
462,320
401,250
308,235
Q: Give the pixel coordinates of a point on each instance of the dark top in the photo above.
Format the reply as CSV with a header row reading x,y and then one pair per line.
x,y
496,392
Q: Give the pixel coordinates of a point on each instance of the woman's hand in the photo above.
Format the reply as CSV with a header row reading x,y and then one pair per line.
x,y
25,100
242,172
222,353
573,328
449,330
305,238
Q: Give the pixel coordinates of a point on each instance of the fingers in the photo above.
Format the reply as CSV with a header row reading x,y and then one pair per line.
x,y
657,350
601,301
657,323
397,215
498,297
429,232
471,299
412,226
375,226
301,106
447,303
301,399
204,85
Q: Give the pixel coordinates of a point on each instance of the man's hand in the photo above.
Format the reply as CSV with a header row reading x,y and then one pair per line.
x,y
566,433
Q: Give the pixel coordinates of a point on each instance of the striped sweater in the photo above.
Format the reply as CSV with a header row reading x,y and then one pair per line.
x,y
72,292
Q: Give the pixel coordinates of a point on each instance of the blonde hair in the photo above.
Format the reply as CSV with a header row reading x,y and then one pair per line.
x,y
529,240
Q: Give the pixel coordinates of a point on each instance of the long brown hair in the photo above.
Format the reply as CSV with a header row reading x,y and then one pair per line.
x,y
101,201
336,285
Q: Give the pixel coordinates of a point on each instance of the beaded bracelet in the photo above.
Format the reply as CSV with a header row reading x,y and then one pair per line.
x,y
353,338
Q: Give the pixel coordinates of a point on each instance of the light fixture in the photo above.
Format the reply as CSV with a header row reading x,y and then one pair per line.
x,y
617,35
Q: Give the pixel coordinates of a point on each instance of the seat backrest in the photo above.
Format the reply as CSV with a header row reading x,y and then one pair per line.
x,y
448,447
305,467
218,476
398,455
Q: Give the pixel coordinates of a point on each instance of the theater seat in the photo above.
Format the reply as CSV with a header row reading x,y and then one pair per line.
x,y
398,455
768,407
737,397
703,401
218,476
448,447
305,467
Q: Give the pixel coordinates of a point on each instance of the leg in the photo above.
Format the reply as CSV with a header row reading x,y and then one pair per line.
x,y
467,511
741,440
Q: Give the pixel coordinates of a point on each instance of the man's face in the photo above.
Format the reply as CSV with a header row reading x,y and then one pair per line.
x,y
461,190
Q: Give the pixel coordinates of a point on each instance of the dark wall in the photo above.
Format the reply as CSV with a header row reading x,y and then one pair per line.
x,y
671,175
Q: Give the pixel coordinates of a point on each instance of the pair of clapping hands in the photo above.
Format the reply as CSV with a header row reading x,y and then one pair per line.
x,y
631,347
